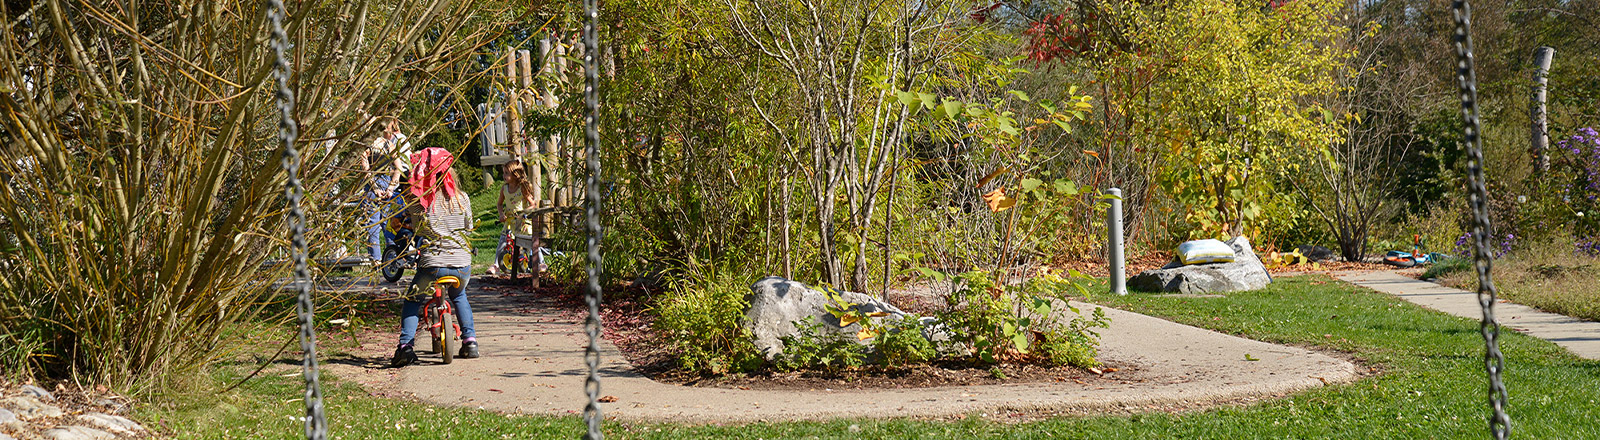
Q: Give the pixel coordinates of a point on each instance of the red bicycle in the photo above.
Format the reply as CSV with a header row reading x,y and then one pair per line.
x,y
440,317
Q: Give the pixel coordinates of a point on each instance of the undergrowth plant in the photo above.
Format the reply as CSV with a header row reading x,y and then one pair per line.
x,y
703,322
814,347
904,343
1020,322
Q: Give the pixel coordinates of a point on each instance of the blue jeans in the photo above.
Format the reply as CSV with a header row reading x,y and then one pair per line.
x,y
378,213
411,311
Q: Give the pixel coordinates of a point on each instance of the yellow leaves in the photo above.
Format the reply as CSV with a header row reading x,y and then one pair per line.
x,y
848,319
998,201
985,180
866,333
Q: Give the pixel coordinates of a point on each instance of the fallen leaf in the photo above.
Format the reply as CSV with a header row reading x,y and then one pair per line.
x,y
1250,358
608,399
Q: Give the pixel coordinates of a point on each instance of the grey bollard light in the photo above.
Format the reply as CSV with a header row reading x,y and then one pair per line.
x,y
1119,279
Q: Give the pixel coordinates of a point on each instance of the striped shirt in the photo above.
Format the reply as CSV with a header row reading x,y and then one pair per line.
x,y
447,233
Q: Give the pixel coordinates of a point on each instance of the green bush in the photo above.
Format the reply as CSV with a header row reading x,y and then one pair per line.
x,y
1448,265
904,344
817,348
702,321
1076,343
1004,323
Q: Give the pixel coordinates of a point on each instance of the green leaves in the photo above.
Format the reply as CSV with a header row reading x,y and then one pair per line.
x,y
1031,184
931,274
1066,187
952,108
908,98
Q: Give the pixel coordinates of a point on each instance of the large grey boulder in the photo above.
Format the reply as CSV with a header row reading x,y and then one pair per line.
x,y
777,304
1245,273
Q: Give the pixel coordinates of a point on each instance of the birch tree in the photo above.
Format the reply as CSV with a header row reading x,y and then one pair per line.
x,y
845,61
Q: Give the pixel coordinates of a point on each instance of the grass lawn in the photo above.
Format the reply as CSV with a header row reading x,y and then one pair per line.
x,y
1433,386
486,233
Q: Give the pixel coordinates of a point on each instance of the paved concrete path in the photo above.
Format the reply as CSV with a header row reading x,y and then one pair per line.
x,y
1578,336
533,364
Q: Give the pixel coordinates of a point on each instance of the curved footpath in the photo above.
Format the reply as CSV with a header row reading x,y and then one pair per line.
x,y
533,364
1580,337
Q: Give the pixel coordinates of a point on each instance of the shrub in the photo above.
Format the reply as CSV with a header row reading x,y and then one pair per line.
x,y
702,321
904,344
1075,343
142,220
1577,172
817,348
1016,322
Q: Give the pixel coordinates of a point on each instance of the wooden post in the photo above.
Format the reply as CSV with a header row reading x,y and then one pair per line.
x,y
537,259
513,105
558,174
574,190
1536,113
525,77
485,142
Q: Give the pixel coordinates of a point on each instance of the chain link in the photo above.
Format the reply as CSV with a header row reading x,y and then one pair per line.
x,y
591,95
1494,361
316,425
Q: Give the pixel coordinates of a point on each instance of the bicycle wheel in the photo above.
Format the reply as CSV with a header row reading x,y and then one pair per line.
x,y
447,335
391,268
503,260
429,319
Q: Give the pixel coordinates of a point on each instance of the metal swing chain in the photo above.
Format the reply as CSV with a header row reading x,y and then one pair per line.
x,y
1494,361
591,95
315,423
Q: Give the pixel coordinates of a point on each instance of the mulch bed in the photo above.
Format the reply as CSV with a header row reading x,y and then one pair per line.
x,y
939,374
629,326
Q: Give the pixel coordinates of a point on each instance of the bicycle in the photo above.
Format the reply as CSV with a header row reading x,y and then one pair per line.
x,y
403,251
440,317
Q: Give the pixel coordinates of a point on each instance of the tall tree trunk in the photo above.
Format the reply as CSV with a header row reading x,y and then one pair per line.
x,y
788,260
1539,127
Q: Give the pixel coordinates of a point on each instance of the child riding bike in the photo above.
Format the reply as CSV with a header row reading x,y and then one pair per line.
x,y
516,196
442,214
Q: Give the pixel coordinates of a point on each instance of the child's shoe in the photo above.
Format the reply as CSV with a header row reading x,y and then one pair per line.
x,y
469,350
404,356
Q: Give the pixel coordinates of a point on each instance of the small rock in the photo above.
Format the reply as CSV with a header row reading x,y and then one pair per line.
x,y
9,419
117,424
29,408
40,393
112,406
77,433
